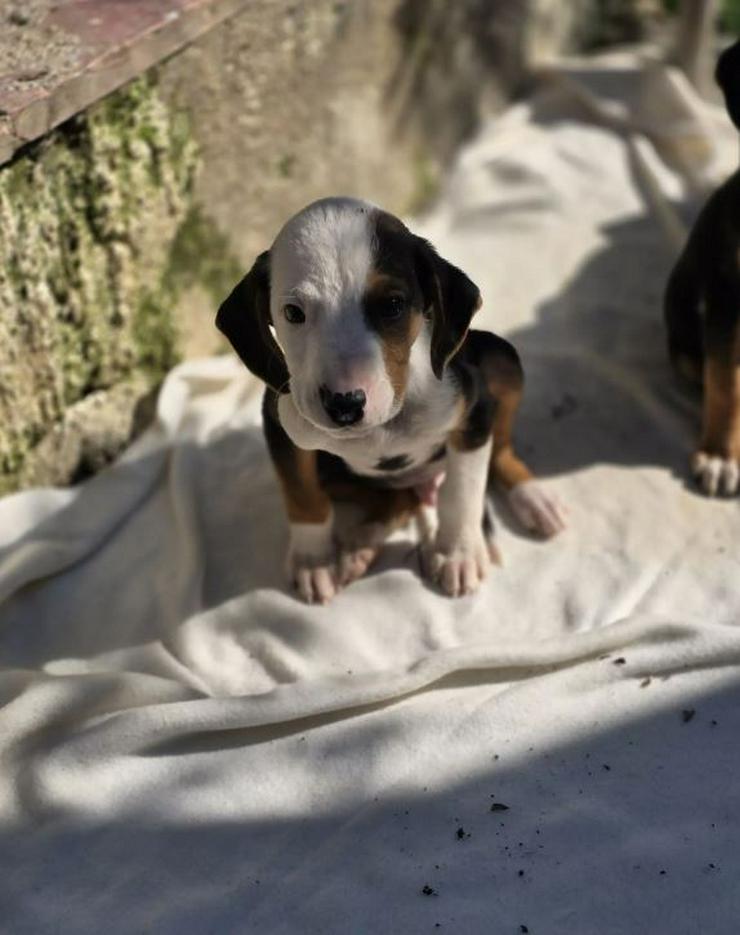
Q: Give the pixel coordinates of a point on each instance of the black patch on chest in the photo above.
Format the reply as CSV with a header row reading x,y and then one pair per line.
x,y
396,463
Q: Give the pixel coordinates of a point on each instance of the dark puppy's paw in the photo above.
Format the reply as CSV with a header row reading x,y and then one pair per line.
x,y
716,474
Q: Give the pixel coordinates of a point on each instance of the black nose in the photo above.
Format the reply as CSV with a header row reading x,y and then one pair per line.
x,y
343,408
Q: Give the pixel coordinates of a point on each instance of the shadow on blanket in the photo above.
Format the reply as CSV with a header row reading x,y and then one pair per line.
x,y
627,828
599,386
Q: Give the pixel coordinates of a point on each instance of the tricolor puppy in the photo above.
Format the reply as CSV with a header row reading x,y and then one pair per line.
x,y
702,311
378,394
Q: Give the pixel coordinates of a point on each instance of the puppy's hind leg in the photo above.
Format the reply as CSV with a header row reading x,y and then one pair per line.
x,y
383,512
536,508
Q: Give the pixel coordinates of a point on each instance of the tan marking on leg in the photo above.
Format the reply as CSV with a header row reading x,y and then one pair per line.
x,y
721,407
305,500
506,467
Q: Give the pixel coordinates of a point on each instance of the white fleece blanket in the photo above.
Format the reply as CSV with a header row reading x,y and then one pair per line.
x,y
186,748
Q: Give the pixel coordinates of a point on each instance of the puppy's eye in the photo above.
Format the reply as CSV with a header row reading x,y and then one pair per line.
x,y
294,314
393,307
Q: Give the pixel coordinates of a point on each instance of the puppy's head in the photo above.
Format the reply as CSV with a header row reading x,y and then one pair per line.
x,y
728,78
334,310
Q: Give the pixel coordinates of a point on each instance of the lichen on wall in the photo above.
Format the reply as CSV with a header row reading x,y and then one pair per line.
x,y
88,220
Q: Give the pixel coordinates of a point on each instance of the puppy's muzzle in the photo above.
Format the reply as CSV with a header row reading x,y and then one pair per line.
x,y
343,408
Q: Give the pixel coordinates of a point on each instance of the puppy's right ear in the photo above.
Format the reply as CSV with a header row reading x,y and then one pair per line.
x,y
727,76
245,320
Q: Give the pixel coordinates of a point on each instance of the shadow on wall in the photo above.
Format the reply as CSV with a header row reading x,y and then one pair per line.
x,y
456,60
626,828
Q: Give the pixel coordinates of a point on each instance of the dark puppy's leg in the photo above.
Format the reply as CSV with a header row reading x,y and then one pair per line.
x,y
311,558
717,461
537,510
382,511
682,312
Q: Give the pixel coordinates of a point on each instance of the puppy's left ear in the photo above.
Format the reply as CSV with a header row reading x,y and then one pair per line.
x,y
450,299
244,317
728,78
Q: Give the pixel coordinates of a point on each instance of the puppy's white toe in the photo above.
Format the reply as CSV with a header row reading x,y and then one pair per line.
x,y
316,585
537,509
311,566
359,547
353,563
460,568
716,474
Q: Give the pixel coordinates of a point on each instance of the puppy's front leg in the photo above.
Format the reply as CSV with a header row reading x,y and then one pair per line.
x,y
716,463
310,563
460,555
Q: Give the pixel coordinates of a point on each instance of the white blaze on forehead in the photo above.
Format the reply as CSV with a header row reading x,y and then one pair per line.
x,y
321,261
324,254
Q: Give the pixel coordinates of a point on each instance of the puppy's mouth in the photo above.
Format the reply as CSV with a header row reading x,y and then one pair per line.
x,y
356,430
341,431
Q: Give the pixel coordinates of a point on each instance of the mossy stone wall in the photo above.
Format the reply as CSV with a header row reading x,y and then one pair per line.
x,y
99,234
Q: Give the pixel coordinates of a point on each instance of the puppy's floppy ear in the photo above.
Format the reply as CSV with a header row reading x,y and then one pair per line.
x,y
245,320
727,76
450,299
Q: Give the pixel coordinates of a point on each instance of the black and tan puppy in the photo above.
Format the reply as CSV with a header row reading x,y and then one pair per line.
x,y
702,310
378,394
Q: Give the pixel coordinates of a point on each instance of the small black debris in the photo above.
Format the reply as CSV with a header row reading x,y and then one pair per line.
x,y
662,873
428,890
711,866
619,661
499,807
687,714
520,873
606,766
565,407
713,723
523,929
645,682
461,833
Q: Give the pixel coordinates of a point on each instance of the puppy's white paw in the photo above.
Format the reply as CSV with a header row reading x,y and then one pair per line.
x,y
358,550
537,509
716,474
311,564
459,567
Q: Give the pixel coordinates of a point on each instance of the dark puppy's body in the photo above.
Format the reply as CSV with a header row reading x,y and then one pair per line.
x,y
379,395
702,311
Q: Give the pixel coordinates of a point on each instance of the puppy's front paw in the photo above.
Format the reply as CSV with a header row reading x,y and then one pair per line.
x,y
716,474
459,567
311,565
537,509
